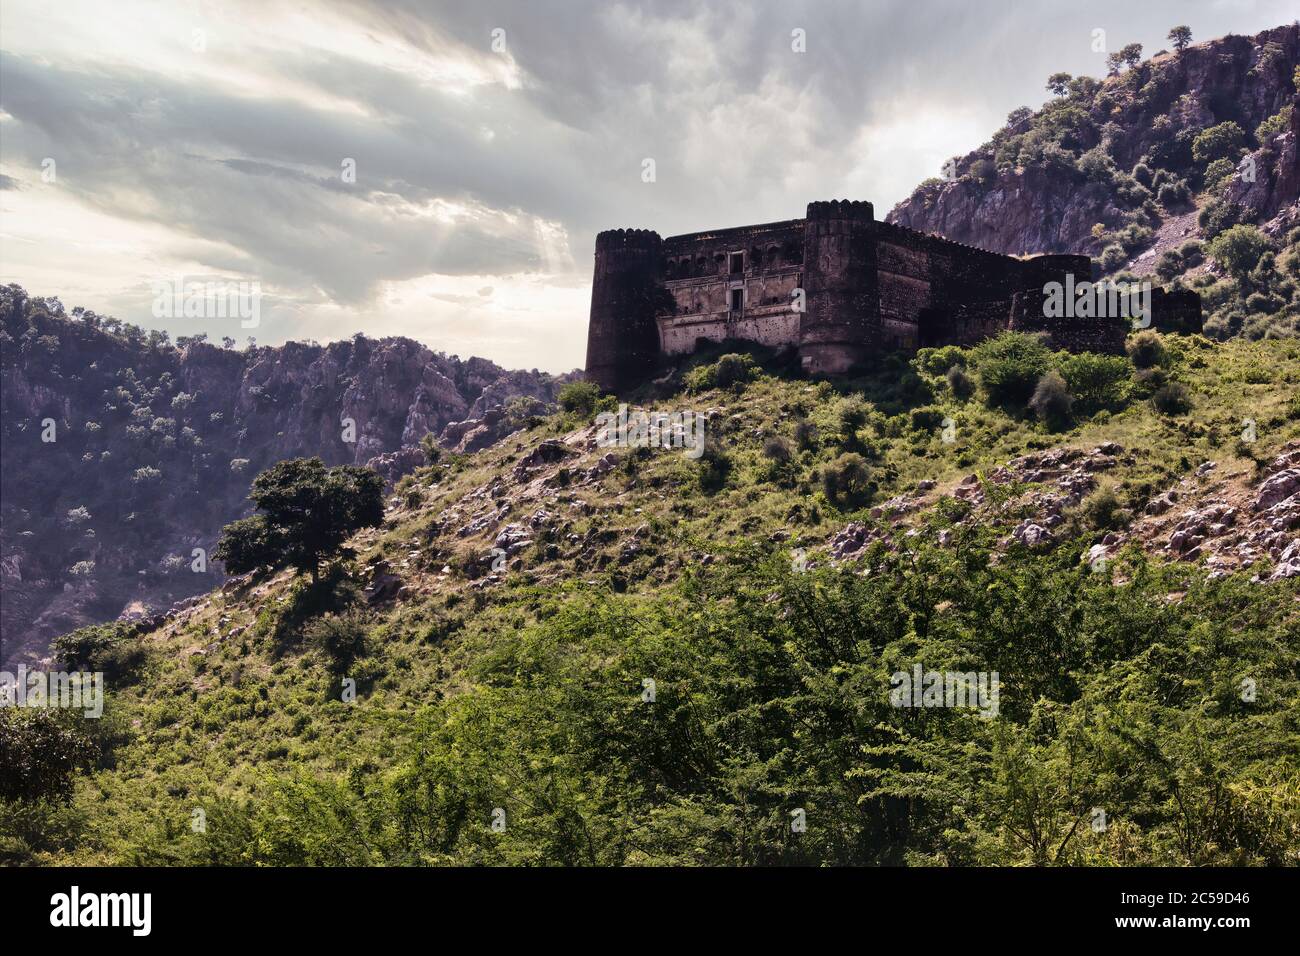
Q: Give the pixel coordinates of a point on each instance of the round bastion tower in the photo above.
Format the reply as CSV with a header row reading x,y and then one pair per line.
x,y
622,338
840,324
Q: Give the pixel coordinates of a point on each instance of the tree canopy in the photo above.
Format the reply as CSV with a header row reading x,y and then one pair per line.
x,y
306,512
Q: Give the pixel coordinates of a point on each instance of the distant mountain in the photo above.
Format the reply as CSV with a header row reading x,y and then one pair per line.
x,y
123,452
1142,170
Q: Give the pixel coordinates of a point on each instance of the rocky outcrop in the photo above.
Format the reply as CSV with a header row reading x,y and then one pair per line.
x,y
155,446
1045,202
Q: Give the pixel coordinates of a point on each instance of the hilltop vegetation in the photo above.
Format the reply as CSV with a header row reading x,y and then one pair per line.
x,y
664,659
125,452
1182,168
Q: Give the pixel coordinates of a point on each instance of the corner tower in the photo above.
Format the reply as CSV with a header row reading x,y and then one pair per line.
x,y
840,324
622,338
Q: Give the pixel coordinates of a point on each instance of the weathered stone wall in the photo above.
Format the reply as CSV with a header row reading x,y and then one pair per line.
x,y
1177,310
622,340
840,325
697,271
1104,334
867,286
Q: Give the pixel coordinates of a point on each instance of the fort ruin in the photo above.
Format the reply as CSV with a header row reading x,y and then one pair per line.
x,y
838,286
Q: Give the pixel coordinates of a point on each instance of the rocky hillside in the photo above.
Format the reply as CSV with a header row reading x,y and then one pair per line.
x,y
1143,170
123,453
1123,566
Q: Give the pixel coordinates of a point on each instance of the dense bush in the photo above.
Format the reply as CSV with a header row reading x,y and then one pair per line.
x,y
112,649
960,384
1239,249
40,753
1172,399
1146,349
847,481
773,693
1051,401
1095,381
1009,367
579,397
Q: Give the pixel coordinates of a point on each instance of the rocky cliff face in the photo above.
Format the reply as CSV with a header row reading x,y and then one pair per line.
x,y
123,457
1047,179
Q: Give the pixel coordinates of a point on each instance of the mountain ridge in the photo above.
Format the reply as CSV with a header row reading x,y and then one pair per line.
x,y
126,404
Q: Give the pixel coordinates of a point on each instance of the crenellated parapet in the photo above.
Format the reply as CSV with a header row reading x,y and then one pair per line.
x,y
627,239
833,209
839,327
622,340
838,286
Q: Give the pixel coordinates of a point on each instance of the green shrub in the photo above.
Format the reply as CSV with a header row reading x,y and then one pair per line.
x,y
1169,265
1051,401
579,397
1095,380
1112,257
1275,125
960,384
1146,349
1227,140
937,361
927,418
1218,173
1173,194
847,481
1009,367
1103,511
734,369
729,371
40,751
1172,398
851,413
805,435
1239,249
714,468
112,648
341,638
777,449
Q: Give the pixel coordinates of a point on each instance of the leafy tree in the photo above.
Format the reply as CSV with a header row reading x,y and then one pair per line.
x,y
1180,37
1239,249
1131,54
1058,84
306,511
1226,140
1114,61
579,397
1009,367
40,753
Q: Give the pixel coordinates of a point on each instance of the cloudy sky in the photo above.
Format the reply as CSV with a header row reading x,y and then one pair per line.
x,y
211,141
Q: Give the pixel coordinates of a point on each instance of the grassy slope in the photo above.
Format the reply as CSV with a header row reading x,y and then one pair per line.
x,y
231,695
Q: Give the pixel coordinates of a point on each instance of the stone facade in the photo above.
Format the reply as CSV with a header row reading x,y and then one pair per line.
x,y
838,285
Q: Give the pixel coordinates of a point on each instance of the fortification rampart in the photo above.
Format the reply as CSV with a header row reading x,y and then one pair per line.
x,y
838,286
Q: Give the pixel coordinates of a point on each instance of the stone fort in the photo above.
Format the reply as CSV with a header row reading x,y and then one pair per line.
x,y
838,286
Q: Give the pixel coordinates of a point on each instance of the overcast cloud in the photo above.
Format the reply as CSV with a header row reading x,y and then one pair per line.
x,y
207,140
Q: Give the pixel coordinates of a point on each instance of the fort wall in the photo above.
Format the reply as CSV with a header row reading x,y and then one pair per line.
x,y
837,285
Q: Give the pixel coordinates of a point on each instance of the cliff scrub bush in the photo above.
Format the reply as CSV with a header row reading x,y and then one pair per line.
x,y
1009,366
